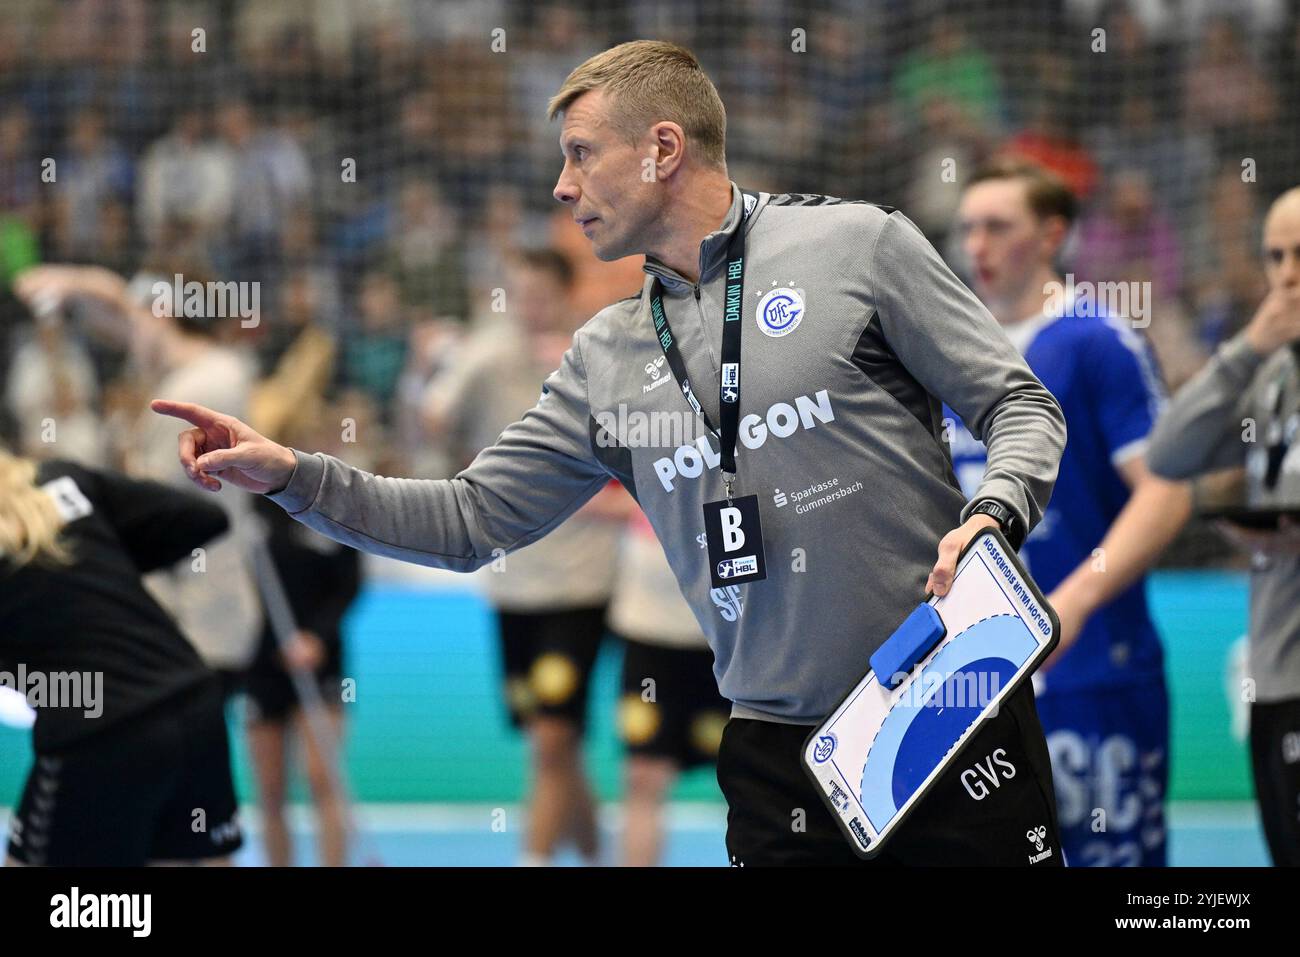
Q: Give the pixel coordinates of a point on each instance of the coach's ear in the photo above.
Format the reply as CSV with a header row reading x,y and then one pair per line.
x,y
669,148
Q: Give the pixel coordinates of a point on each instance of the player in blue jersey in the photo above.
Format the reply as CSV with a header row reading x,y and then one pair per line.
x,y
1102,694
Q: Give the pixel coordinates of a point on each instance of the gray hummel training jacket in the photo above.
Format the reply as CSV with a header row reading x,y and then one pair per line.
x,y
854,330
1229,415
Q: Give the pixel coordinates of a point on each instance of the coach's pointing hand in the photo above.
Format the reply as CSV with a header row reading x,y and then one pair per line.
x,y
221,445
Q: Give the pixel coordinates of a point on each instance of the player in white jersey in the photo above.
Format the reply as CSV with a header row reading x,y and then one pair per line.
x,y
550,598
670,714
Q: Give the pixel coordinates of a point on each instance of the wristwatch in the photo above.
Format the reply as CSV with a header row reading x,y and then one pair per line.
x,y
1006,519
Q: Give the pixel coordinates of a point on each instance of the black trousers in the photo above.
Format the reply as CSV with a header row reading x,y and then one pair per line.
x,y
776,817
1275,762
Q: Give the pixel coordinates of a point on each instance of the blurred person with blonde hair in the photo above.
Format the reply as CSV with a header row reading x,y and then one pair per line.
x,y
130,735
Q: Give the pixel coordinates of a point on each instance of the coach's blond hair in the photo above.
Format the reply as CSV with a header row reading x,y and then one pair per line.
x,y
29,521
649,81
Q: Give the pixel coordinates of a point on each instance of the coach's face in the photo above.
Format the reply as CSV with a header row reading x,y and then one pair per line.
x,y
1003,239
602,182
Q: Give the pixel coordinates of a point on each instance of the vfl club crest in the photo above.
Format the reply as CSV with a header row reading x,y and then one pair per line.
x,y
825,748
779,312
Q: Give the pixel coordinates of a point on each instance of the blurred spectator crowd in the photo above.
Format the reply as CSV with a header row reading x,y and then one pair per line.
x,y
375,165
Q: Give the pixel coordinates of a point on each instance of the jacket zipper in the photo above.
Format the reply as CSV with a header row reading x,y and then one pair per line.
x,y
704,329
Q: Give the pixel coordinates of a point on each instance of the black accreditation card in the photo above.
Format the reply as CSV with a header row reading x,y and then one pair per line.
x,y
735,537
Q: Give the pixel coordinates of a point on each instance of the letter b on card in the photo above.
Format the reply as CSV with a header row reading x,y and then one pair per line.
x,y
734,534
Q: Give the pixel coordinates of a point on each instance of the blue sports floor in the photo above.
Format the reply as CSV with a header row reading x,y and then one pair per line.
x,y
433,764
1202,835
460,835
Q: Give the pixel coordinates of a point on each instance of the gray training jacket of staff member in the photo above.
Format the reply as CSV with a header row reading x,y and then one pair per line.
x,y
1204,428
841,438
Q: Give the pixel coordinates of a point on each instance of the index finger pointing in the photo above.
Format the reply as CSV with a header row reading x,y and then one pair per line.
x,y
198,415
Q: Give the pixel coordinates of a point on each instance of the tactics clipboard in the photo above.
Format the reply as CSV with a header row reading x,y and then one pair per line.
x,y
951,664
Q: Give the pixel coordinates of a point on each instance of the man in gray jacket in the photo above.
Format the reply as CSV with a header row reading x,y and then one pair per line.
x,y
831,466
1243,409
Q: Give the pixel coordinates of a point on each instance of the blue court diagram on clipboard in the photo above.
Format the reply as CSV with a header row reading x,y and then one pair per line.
x,y
879,751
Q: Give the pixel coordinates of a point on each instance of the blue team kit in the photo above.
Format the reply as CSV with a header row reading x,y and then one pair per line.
x,y
1103,705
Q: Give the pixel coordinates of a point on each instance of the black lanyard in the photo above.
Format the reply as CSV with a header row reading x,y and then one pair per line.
x,y
729,380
